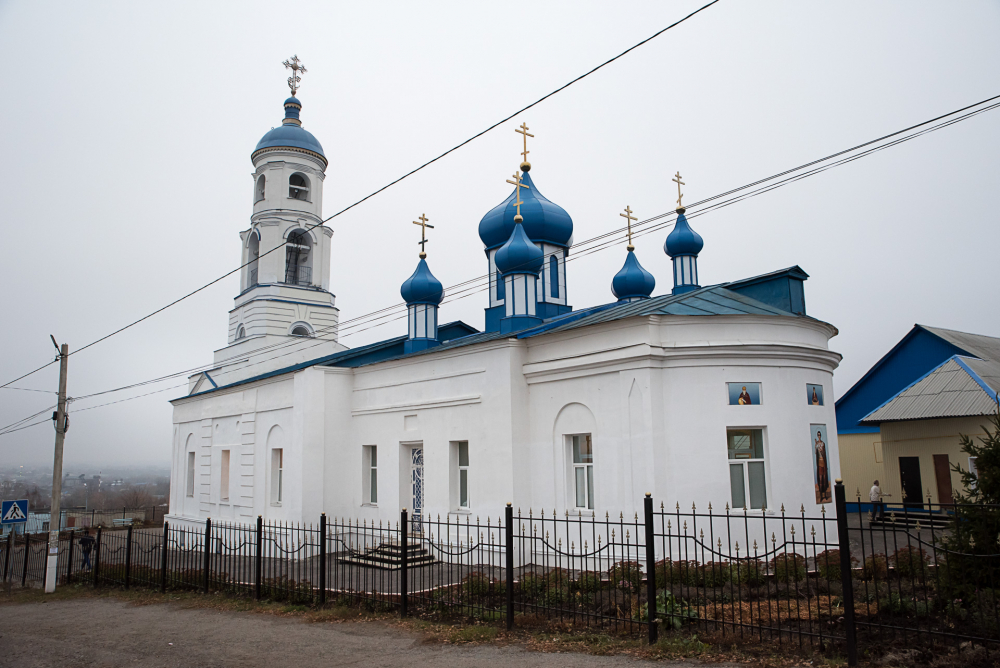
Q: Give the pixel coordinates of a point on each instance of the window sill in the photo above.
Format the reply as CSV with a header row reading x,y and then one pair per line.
x,y
461,511
581,512
276,504
369,505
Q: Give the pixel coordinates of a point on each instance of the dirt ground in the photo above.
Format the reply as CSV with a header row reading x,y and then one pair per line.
x,y
110,632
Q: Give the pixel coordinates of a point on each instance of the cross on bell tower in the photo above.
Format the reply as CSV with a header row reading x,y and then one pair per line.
x,y
296,66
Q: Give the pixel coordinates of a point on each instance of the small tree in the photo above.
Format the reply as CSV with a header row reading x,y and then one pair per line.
x,y
975,532
982,487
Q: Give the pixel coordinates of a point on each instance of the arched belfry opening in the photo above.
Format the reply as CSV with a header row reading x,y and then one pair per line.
x,y
253,253
298,259
298,187
258,191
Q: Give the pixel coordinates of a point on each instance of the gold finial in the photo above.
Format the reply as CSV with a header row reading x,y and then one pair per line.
x,y
680,195
517,195
296,66
523,130
629,218
422,222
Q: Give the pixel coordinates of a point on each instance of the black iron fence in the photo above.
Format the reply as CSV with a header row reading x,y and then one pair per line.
x,y
839,580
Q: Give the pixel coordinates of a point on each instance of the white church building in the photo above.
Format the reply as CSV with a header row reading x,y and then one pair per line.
x,y
698,394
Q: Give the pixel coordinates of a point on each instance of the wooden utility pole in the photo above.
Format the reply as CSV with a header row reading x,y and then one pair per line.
x,y
51,573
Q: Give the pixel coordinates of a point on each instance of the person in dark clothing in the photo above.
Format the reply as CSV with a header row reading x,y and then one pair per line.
x,y
86,547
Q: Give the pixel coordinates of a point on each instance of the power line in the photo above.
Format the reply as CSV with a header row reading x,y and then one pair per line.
x,y
607,239
385,187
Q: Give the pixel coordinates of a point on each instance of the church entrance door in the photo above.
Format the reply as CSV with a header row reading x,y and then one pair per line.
x,y
417,488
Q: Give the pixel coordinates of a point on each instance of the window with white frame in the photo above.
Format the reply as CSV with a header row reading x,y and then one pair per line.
x,y
583,471
190,474
370,478
746,468
224,477
463,474
277,475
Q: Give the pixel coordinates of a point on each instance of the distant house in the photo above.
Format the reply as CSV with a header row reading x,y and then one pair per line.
x,y
900,423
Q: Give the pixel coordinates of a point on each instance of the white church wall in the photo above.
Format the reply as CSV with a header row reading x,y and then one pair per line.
x,y
432,402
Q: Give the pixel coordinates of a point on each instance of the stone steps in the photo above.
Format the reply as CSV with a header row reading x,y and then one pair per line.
x,y
389,556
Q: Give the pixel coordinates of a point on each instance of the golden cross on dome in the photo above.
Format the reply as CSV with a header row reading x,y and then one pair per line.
x,y
517,195
523,130
677,180
296,66
423,233
629,217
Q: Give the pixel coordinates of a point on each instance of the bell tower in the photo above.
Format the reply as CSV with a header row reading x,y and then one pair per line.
x,y
285,296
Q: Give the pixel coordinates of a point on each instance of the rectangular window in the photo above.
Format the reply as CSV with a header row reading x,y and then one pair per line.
x,y
583,471
973,470
224,477
369,480
190,474
373,475
463,474
277,475
746,468
554,276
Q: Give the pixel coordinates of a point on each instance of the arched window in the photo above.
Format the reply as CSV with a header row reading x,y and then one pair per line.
x,y
554,276
241,333
253,252
298,268
501,288
301,330
298,187
258,192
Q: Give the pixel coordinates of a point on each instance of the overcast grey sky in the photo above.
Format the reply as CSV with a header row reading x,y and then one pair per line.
x,y
128,127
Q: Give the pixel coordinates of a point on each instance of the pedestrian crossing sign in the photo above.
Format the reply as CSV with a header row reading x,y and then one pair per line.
x,y
14,512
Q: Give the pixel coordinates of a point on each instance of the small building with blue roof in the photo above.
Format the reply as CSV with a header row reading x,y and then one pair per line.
x,y
876,435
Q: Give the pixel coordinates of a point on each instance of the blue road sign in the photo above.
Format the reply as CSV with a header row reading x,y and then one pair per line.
x,y
14,512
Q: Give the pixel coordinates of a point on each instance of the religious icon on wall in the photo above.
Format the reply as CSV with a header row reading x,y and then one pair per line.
x,y
821,463
814,395
744,394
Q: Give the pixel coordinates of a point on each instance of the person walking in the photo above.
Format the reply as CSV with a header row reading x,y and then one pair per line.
x,y
86,547
878,507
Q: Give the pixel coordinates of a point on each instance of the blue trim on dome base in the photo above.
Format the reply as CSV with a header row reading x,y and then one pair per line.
x,y
516,323
543,310
413,345
681,289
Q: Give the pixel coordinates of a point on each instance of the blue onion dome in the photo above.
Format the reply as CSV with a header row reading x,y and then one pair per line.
x,y
519,255
632,281
290,134
683,240
422,287
544,221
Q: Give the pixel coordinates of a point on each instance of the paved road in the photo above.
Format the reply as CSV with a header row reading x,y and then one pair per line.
x,y
103,632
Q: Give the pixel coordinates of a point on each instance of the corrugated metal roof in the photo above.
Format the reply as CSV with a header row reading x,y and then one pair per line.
x,y
977,345
713,300
959,387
